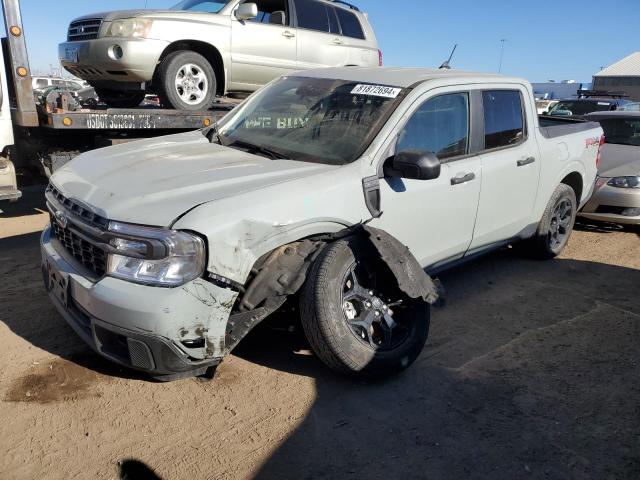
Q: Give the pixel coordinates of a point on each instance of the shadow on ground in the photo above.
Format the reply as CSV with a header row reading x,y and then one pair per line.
x,y
32,316
531,371
32,202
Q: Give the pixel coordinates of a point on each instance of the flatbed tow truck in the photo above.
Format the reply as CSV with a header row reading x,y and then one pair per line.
x,y
41,136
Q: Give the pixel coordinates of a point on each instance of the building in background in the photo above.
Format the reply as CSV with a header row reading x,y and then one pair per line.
x,y
558,90
622,76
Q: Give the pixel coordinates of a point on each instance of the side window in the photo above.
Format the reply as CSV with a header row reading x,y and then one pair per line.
x,y
503,120
440,125
312,15
350,24
334,26
274,12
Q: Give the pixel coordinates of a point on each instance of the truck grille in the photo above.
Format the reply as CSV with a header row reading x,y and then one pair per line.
x,y
79,210
90,256
84,29
78,245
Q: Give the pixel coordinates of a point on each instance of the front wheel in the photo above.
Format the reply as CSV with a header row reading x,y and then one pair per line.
x,y
187,81
355,317
556,225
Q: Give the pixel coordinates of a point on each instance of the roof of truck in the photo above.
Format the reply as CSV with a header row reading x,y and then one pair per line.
x,y
403,77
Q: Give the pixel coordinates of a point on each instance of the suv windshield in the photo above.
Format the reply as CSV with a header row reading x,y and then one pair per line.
x,y
209,6
311,119
580,107
622,131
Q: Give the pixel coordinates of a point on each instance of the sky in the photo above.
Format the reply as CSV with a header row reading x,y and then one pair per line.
x,y
544,39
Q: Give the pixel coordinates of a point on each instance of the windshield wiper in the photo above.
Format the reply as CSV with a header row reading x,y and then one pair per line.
x,y
265,151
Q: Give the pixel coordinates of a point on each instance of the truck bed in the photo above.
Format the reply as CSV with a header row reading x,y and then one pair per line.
x,y
553,127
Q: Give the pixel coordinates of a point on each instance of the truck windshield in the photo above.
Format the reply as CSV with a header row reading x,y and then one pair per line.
x,y
622,131
311,119
579,107
208,6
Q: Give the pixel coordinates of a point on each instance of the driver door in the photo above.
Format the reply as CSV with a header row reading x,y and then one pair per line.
x,y
435,218
262,48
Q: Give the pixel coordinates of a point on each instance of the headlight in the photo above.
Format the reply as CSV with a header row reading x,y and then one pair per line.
x,y
624,182
129,28
154,256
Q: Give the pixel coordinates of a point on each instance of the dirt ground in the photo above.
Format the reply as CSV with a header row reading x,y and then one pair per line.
x,y
531,370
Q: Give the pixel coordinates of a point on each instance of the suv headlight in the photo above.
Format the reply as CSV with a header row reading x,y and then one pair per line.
x,y
624,182
129,28
154,256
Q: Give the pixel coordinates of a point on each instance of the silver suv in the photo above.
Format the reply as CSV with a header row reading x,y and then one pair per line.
x,y
202,48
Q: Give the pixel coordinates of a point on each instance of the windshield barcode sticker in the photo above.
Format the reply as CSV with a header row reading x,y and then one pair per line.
x,y
376,91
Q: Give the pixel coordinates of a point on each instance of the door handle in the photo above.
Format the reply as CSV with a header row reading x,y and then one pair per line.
x,y
463,178
337,41
526,161
288,34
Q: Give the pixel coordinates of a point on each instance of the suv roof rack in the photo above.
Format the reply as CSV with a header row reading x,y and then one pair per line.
x,y
600,93
342,2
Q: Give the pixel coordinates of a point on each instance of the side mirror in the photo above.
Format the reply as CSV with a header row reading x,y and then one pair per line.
x,y
546,112
413,165
247,11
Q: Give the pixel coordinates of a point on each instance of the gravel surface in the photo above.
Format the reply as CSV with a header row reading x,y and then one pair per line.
x,y
531,370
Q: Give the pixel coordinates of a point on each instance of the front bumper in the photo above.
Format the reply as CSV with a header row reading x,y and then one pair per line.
x,y
169,333
91,60
608,203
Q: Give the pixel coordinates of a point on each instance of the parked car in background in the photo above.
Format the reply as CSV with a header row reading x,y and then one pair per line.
x,y
543,106
589,101
200,49
40,84
163,254
617,193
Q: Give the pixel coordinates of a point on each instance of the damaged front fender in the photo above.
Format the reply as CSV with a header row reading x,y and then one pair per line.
x,y
411,277
283,272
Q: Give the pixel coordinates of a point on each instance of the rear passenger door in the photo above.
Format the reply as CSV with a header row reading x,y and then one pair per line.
x,y
320,43
361,51
435,218
510,167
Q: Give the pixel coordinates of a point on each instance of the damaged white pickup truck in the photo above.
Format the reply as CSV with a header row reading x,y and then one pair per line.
x,y
331,189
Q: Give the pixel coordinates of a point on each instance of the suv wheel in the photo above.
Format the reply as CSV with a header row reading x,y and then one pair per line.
x,y
117,99
556,225
356,319
187,81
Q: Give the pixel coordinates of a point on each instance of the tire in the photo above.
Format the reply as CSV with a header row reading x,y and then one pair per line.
x,y
186,81
116,99
555,228
346,348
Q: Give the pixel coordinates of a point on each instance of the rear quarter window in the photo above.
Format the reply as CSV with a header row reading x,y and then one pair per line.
x,y
503,119
350,24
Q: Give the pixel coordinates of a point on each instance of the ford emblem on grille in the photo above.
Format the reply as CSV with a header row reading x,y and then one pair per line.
x,y
61,218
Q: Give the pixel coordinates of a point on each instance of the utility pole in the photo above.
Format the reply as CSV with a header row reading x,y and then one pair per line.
x,y
502,40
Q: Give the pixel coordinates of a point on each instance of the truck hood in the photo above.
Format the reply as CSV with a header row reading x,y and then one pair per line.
x,y
155,181
619,160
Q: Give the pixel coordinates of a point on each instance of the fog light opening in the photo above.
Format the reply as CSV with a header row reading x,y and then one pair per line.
x,y
631,212
116,52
